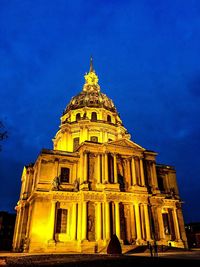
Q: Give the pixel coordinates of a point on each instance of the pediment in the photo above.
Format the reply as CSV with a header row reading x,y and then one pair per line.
x,y
127,143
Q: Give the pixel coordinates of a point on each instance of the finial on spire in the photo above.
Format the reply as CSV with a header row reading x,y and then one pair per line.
x,y
91,79
91,64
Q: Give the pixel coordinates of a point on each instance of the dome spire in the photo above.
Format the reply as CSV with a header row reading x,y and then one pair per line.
x,y
91,65
91,79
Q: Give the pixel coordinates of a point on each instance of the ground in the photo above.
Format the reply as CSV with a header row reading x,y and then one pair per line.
x,y
170,258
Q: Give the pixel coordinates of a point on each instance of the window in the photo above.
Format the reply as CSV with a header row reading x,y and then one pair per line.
x,y
78,117
94,139
166,223
75,143
94,116
61,221
109,118
64,175
161,183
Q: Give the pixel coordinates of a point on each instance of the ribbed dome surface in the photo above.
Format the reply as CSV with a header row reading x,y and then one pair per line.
x,y
91,99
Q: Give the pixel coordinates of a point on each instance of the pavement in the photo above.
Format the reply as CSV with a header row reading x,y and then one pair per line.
x,y
169,258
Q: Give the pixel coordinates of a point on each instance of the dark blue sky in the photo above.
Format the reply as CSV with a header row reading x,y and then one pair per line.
x,y
146,54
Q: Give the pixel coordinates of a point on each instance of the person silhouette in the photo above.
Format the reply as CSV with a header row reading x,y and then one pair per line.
x,y
155,249
151,250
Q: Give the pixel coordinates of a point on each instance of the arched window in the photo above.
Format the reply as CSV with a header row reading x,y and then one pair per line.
x,y
109,118
94,116
78,116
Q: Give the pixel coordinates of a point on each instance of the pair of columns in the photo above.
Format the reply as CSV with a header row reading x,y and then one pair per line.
x,y
18,229
142,222
20,233
102,168
134,178
102,227
175,223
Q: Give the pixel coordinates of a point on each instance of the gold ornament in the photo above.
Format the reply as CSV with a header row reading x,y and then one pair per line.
x,y
91,78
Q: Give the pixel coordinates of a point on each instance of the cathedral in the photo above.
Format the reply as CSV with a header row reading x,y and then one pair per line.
x,y
94,184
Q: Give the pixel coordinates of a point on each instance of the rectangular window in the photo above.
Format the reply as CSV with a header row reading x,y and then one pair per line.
x,y
64,175
166,223
61,222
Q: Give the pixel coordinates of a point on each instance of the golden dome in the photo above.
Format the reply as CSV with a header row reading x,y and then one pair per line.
x,y
91,95
90,99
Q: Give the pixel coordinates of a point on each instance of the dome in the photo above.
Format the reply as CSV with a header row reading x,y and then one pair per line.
x,y
93,99
91,95
90,116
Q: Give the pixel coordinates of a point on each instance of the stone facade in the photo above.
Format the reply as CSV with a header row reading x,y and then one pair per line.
x,y
95,183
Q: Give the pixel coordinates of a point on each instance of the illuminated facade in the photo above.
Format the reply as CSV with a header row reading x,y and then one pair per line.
x,y
94,183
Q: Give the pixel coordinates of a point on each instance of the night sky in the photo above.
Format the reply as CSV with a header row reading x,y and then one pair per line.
x,y
147,56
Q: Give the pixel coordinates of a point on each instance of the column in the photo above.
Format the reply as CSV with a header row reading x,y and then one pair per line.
x,y
181,225
133,226
128,172
21,218
133,171
85,167
80,166
81,134
176,224
117,220
28,216
98,221
85,137
107,220
74,221
27,179
142,220
98,169
103,168
142,173
51,221
152,174
115,168
138,222
106,167
106,135
79,230
160,223
147,223
16,232
64,141
84,220
155,175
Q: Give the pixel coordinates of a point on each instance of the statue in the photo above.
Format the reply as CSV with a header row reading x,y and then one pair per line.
x,y
56,183
90,223
76,185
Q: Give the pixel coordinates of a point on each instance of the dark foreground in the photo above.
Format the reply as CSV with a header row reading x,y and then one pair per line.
x,y
87,260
